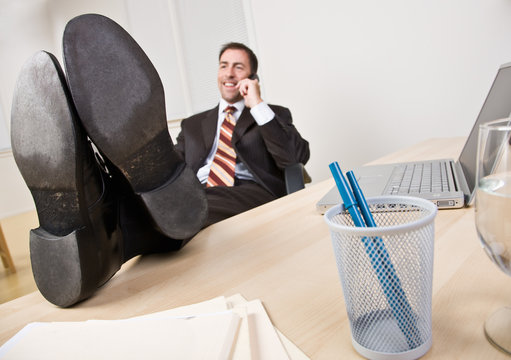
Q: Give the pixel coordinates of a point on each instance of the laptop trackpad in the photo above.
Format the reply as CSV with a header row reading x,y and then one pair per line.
x,y
373,179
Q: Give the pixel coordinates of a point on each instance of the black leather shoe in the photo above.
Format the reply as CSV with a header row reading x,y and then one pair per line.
x,y
78,245
140,237
120,100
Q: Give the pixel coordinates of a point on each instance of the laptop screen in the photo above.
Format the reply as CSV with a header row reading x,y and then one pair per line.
x,y
496,106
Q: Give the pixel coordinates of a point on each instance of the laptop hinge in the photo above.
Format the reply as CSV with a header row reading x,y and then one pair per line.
x,y
462,183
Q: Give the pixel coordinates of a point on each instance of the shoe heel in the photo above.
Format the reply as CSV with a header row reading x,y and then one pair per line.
x,y
56,267
187,194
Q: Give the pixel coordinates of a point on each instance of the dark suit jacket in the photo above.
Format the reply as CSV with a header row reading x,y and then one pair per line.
x,y
266,150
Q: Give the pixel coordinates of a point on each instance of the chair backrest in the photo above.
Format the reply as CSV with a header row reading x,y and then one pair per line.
x,y
296,177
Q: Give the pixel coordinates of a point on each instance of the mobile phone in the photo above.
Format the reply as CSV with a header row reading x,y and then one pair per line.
x,y
254,77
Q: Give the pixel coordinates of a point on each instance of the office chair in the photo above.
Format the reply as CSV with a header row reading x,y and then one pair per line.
x,y
296,177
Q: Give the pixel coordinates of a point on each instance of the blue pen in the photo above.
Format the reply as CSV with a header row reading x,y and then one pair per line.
x,y
360,198
378,254
392,277
350,203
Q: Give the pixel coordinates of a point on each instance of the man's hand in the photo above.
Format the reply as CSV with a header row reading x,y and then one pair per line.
x,y
250,91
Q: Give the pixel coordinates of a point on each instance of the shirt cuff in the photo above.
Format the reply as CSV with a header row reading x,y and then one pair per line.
x,y
262,113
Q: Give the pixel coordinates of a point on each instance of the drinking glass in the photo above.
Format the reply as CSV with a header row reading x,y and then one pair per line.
x,y
493,214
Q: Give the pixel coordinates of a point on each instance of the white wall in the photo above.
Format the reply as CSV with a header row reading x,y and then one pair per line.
x,y
368,77
362,78
27,26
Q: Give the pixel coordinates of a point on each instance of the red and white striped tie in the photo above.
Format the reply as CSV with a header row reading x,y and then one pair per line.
x,y
222,168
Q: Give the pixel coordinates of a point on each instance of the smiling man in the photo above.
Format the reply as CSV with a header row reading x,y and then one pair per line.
x,y
260,143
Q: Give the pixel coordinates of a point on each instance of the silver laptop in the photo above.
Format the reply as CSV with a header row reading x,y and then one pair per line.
x,y
447,183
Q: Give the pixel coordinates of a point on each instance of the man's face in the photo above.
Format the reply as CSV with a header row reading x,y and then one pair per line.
x,y
234,66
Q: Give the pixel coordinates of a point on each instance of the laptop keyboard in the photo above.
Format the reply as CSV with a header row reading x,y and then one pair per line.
x,y
419,178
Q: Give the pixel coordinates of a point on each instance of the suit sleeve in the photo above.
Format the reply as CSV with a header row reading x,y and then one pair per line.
x,y
282,139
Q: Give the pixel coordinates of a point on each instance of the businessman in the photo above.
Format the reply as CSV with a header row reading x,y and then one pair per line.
x,y
264,139
107,181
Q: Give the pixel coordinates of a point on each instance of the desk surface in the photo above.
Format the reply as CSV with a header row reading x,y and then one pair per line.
x,y
281,253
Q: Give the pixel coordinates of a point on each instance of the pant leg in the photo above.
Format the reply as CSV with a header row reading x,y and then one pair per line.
x,y
140,234
224,202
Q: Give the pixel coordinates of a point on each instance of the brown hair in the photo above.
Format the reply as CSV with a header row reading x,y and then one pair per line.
x,y
252,58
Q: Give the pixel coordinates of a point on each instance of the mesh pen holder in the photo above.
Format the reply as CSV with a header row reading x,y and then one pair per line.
x,y
386,275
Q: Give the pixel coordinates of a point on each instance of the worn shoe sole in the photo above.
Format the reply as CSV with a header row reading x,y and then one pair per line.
x,y
120,99
48,147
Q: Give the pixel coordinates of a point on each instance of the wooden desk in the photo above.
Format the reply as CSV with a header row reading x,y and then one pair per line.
x,y
281,253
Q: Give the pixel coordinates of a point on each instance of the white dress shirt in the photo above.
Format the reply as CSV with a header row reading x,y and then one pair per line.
x,y
262,114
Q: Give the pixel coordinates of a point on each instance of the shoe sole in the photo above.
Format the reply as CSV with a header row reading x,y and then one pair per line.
x,y
44,141
120,99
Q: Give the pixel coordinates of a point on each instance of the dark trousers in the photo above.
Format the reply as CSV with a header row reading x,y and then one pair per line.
x,y
224,202
140,234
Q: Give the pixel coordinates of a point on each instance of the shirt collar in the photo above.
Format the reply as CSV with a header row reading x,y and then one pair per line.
x,y
240,106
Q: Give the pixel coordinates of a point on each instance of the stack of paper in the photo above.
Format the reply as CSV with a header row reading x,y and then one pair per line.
x,y
221,328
